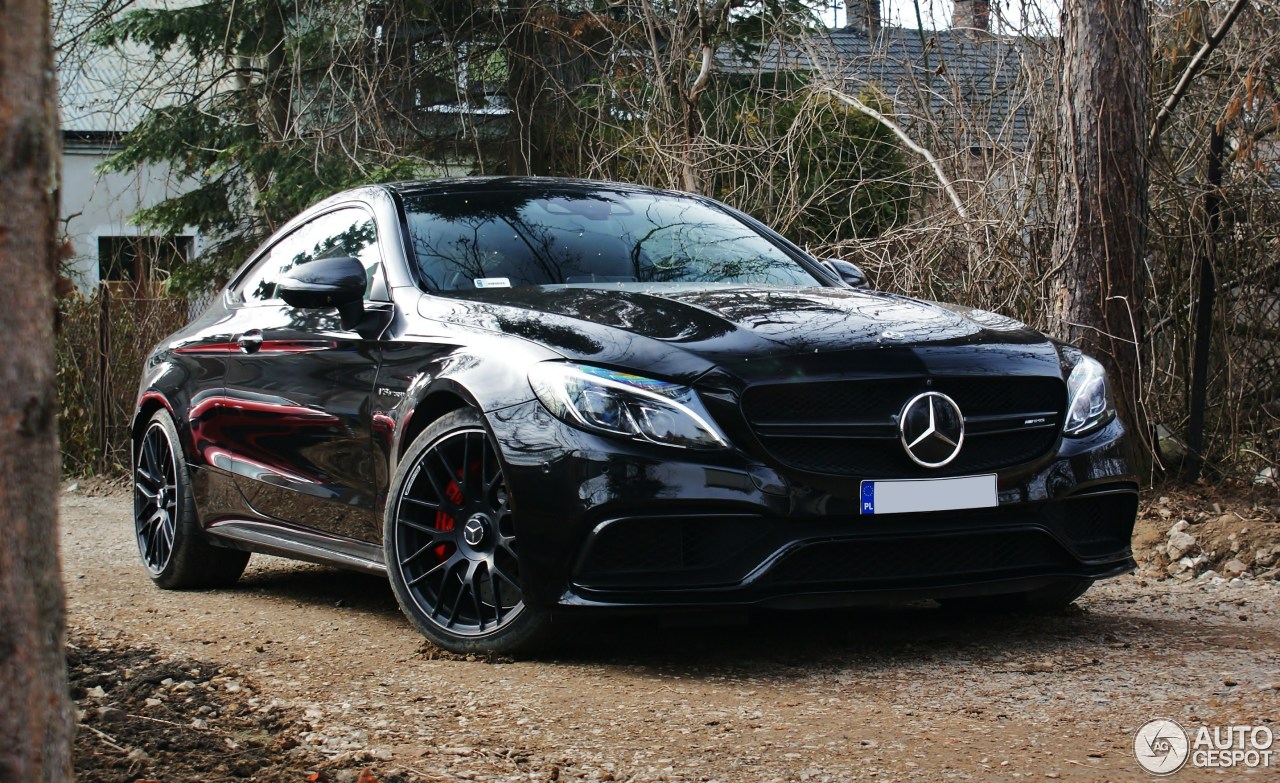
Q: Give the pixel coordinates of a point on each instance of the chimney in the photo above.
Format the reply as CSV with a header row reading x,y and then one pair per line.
x,y
972,15
863,16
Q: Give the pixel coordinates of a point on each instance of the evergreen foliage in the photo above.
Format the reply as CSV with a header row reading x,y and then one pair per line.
x,y
841,172
269,119
283,103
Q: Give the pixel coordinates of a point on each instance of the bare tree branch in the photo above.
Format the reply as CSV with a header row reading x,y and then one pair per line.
x,y
909,142
1192,69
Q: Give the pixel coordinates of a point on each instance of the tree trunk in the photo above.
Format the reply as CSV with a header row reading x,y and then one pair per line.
x,y
277,82
35,725
529,58
1102,202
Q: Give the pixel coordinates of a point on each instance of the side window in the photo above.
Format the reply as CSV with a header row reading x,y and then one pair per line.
x,y
260,284
351,232
347,232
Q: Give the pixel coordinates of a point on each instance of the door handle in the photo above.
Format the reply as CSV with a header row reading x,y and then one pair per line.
x,y
250,341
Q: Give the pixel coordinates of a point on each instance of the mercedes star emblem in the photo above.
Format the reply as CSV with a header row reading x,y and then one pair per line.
x,y
932,429
474,531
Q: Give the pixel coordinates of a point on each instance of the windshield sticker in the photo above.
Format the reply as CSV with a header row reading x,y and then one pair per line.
x,y
493,282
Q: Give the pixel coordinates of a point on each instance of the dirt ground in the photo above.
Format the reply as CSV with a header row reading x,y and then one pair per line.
x,y
305,673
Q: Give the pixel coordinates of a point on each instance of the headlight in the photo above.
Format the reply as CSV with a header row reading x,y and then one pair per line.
x,y
1088,404
619,403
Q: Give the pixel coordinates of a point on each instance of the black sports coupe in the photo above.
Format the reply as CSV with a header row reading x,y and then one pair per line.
x,y
518,397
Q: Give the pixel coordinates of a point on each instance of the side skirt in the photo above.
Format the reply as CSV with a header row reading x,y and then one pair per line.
x,y
257,536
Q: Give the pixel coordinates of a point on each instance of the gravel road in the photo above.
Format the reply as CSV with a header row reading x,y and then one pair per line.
x,y
905,694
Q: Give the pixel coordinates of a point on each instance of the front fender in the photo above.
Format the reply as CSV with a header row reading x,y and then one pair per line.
x,y
421,380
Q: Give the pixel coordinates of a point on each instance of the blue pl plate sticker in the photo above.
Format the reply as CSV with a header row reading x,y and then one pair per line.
x,y
493,282
915,496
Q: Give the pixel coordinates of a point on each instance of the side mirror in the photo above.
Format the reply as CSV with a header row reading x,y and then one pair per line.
x,y
849,273
327,282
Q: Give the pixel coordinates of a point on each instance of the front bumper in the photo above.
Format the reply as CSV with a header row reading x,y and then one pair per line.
x,y
608,522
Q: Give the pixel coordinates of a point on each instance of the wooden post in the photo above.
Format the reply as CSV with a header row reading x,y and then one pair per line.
x,y
103,370
1204,308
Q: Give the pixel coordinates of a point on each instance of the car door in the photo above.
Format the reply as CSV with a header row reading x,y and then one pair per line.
x,y
302,384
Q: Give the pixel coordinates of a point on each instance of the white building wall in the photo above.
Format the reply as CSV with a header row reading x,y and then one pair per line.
x,y
100,205
102,94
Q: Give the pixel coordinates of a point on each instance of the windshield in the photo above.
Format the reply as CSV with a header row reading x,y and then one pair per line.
x,y
518,238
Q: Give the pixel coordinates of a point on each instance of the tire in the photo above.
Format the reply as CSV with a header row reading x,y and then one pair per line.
x,y
1053,597
172,545
450,542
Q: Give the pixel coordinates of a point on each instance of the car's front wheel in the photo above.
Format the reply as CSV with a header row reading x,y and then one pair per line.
x,y
450,542
172,546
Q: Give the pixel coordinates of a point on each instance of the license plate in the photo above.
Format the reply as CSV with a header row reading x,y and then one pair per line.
x,y
915,496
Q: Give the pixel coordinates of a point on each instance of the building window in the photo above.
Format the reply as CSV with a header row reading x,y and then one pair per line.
x,y
138,259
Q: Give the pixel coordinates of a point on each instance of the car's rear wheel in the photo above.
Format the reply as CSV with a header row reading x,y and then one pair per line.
x,y
170,542
450,542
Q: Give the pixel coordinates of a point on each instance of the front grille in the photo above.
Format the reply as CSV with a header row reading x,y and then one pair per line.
x,y
674,551
1096,525
717,551
849,427
972,555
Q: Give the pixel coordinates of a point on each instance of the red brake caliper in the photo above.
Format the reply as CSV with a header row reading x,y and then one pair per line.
x,y
443,520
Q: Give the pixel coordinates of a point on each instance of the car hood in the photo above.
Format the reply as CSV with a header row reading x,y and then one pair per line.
x,y
685,330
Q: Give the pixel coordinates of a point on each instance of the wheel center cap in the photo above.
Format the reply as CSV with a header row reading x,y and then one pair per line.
x,y
476,530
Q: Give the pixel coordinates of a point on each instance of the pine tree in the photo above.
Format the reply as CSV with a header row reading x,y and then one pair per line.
x,y
278,104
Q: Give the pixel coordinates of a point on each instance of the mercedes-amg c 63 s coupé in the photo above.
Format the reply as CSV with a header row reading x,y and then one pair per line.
x,y
520,397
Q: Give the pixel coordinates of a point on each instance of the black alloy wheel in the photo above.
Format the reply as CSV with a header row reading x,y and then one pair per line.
x,y
451,542
155,498
170,542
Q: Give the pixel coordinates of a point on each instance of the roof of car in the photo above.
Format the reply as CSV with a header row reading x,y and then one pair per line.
x,y
489,183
